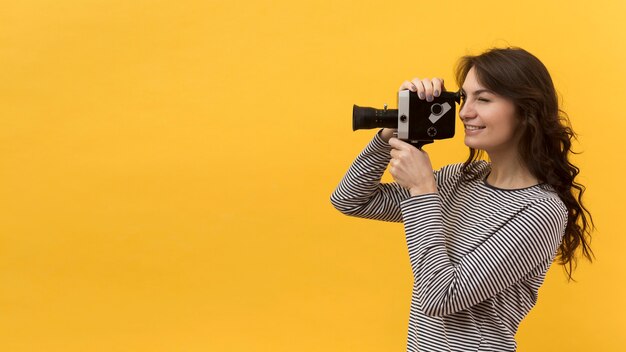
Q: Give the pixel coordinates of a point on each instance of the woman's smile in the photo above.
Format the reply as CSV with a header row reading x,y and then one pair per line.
x,y
473,129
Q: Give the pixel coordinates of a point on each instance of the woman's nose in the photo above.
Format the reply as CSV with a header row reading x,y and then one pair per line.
x,y
467,111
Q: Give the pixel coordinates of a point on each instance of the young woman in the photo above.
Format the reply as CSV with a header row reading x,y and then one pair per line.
x,y
481,235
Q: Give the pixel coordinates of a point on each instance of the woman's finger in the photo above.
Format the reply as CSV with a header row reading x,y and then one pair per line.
x,y
395,143
419,88
408,85
428,89
437,86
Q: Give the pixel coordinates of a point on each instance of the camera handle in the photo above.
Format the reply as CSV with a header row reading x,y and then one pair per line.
x,y
416,144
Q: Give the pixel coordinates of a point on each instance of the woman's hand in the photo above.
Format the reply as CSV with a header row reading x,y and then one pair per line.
x,y
425,88
411,168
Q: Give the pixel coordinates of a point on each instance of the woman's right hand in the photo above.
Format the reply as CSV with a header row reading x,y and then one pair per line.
x,y
426,89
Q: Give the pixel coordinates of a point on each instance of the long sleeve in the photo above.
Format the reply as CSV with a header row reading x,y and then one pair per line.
x,y
527,241
360,193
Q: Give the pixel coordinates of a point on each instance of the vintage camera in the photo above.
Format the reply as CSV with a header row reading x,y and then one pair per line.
x,y
418,121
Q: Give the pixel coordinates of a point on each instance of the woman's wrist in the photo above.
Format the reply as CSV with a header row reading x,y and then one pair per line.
x,y
423,189
386,134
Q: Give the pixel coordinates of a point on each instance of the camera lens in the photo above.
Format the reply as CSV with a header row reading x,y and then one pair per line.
x,y
366,118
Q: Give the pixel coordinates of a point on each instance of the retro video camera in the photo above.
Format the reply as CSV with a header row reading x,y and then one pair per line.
x,y
418,121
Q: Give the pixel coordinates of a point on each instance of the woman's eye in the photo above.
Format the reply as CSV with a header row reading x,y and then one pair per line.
x,y
483,99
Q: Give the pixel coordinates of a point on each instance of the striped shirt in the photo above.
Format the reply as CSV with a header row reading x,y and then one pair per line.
x,y
478,253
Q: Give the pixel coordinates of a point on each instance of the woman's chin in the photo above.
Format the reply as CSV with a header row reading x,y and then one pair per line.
x,y
471,143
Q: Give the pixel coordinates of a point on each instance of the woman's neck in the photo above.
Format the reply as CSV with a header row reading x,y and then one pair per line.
x,y
509,172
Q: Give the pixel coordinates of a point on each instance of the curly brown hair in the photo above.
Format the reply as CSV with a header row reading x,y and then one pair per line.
x,y
546,135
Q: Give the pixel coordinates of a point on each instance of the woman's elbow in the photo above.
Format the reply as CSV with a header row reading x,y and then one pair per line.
x,y
435,305
433,310
341,203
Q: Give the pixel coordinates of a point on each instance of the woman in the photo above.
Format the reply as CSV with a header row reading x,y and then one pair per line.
x,y
481,235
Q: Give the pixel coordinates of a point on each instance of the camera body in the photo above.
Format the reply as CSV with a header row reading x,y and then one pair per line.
x,y
420,120
417,121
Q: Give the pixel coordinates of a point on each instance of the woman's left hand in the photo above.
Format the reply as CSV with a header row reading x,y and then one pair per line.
x,y
411,168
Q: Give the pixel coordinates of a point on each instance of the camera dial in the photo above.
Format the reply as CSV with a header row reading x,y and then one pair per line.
x,y
431,131
438,110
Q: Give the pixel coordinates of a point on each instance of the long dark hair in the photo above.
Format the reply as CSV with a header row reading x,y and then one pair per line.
x,y
546,135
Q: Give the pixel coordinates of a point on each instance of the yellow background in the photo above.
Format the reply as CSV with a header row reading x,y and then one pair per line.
x,y
166,167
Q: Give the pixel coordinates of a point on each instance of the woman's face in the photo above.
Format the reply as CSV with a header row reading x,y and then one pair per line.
x,y
490,120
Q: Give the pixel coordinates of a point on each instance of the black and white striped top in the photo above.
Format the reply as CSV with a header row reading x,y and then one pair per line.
x,y
478,253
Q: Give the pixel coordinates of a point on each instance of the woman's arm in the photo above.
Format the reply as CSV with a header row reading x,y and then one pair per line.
x,y
525,244
360,193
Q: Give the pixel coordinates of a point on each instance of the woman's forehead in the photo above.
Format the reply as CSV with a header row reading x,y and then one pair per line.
x,y
472,84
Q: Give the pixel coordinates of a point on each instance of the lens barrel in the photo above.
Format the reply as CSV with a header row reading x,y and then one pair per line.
x,y
364,118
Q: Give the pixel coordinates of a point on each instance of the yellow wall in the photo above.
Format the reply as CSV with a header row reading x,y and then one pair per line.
x,y
165,169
